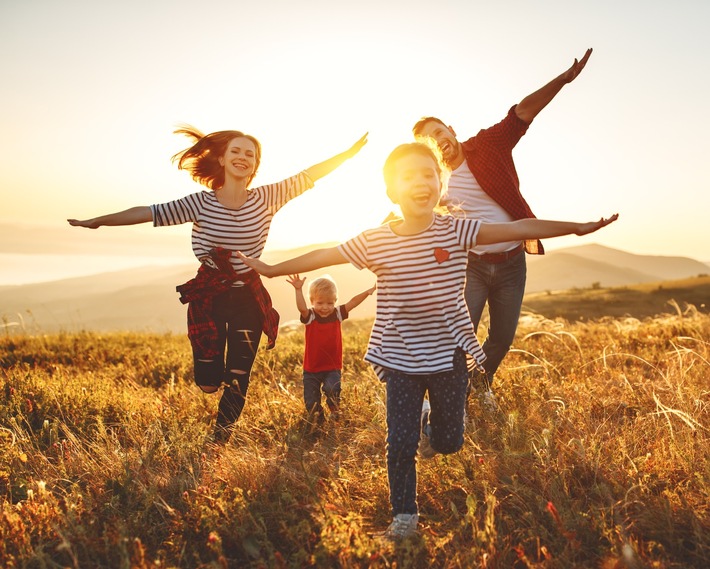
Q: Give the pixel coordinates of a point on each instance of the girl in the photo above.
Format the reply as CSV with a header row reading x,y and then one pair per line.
x,y
422,331
229,307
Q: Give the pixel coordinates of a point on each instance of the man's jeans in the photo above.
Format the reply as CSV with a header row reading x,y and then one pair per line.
x,y
503,286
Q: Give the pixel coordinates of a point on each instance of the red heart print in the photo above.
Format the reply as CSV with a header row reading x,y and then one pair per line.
x,y
441,255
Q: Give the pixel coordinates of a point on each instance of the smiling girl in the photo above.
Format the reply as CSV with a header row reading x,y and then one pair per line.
x,y
422,331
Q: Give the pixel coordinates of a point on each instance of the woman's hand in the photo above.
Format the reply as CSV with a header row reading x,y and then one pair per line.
x,y
355,148
90,223
131,216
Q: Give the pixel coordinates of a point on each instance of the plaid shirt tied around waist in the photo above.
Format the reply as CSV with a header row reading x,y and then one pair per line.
x,y
200,292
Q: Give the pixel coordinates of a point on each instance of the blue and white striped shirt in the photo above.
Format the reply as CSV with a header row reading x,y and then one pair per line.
x,y
421,311
244,229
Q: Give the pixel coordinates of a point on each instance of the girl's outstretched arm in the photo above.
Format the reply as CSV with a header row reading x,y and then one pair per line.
x,y
324,168
537,229
132,216
302,264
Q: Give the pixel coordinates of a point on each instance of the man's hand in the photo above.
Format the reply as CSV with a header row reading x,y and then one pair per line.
x,y
571,74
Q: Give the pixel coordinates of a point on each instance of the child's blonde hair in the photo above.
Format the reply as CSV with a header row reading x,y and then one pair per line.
x,y
324,285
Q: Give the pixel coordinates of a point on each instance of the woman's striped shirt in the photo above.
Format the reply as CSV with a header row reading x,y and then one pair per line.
x,y
244,229
421,311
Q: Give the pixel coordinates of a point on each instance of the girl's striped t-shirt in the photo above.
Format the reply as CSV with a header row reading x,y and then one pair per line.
x,y
421,311
244,229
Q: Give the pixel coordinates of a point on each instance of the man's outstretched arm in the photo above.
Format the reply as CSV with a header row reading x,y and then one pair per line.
x,y
530,106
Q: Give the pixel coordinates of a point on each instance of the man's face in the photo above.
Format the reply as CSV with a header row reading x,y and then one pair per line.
x,y
445,138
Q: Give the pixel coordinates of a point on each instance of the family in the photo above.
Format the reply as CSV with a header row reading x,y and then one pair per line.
x,y
436,268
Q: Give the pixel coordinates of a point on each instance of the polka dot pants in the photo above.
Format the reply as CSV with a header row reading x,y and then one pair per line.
x,y
405,395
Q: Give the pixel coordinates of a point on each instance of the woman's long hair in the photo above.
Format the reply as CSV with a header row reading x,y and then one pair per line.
x,y
202,158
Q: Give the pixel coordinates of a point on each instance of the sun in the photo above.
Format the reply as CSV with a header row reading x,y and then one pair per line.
x,y
339,206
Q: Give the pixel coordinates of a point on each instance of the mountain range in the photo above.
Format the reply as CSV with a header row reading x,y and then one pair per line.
x,y
144,299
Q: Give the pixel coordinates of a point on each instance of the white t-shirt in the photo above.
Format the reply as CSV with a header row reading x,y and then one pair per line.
x,y
465,193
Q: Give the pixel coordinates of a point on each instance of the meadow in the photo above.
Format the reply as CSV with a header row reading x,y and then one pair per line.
x,y
598,457
640,300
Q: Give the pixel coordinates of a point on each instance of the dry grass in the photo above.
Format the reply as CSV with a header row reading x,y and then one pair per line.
x,y
599,457
641,301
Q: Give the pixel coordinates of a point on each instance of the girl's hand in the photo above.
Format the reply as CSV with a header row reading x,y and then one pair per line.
x,y
592,226
296,281
256,264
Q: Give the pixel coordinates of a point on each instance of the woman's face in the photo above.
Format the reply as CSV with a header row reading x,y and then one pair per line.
x,y
239,159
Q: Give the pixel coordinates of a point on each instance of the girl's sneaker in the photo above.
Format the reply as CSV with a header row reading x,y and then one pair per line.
x,y
402,527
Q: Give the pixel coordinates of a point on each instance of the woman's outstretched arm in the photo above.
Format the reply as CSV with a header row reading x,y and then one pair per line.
x,y
131,216
324,168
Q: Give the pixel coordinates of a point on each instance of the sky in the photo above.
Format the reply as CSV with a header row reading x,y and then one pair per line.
x,y
92,91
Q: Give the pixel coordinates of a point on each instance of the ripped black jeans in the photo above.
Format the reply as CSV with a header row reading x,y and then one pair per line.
x,y
239,324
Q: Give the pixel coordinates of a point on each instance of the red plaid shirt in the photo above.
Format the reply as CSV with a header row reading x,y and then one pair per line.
x,y
207,284
489,156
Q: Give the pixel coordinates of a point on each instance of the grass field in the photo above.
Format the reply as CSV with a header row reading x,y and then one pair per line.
x,y
599,457
639,301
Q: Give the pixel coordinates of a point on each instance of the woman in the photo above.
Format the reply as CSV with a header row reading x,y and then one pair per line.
x,y
229,307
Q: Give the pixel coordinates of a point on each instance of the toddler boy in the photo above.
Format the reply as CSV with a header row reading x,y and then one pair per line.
x,y
323,357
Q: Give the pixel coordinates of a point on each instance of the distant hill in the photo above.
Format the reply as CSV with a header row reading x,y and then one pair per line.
x,y
145,299
585,265
63,239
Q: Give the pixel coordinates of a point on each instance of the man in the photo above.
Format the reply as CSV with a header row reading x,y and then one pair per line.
x,y
484,184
